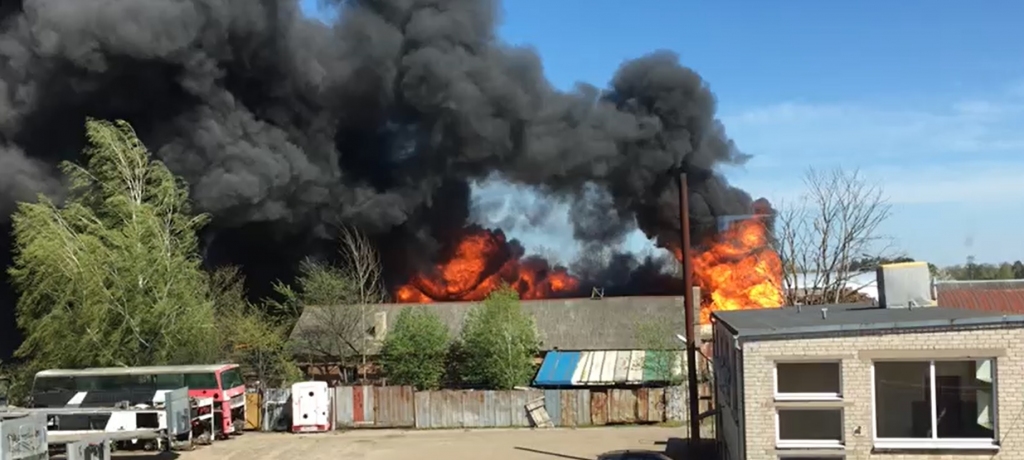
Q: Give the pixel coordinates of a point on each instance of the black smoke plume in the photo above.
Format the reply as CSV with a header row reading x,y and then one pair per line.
x,y
285,126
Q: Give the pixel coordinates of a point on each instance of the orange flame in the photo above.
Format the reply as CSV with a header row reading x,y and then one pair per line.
x,y
739,270
480,262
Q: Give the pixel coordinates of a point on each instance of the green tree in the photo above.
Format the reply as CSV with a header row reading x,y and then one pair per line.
x,y
1018,270
1004,272
662,360
112,276
499,342
335,301
416,349
250,337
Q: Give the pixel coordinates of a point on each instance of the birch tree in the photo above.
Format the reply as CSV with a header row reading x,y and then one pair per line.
x,y
835,222
335,301
498,343
112,276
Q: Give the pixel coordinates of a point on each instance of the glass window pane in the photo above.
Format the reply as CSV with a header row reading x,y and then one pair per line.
x,y
903,399
231,378
808,377
170,381
203,381
964,399
44,384
810,424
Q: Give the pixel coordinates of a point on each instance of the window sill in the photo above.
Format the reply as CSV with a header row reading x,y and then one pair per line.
x,y
933,444
780,397
830,445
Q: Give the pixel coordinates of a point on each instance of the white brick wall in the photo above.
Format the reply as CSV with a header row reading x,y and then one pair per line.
x,y
758,363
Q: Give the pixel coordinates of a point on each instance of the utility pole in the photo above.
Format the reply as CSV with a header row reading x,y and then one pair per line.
x,y
691,336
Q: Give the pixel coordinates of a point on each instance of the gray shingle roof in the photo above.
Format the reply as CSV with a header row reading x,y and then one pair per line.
x,y
853,318
565,324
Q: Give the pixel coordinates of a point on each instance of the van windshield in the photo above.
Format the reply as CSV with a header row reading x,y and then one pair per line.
x,y
231,378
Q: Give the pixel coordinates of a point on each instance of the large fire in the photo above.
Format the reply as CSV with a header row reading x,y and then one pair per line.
x,y
479,263
739,270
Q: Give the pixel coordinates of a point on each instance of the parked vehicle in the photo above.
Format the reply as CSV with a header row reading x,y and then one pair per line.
x,y
146,386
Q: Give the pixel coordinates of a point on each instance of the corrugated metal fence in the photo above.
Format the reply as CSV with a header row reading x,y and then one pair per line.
x,y
401,407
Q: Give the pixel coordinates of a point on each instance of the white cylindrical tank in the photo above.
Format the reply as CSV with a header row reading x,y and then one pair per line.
x,y
311,407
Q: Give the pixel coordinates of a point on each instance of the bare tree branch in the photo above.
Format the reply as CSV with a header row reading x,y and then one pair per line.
x,y
835,222
337,300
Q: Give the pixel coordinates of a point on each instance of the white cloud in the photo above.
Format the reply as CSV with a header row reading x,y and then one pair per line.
x,y
789,133
964,183
970,150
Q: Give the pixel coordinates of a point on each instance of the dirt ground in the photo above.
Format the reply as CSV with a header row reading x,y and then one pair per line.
x,y
503,444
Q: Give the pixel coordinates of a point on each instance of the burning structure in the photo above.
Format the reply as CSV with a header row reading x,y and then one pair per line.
x,y
286,127
736,268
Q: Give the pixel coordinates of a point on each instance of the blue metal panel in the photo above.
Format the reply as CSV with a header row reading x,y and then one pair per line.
x,y
557,368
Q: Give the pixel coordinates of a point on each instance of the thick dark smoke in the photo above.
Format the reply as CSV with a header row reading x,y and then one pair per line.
x,y
285,127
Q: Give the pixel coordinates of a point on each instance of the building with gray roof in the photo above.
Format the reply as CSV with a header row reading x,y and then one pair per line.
x,y
868,381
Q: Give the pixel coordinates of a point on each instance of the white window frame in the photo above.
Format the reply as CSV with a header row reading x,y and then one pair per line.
x,y
935,442
833,396
811,443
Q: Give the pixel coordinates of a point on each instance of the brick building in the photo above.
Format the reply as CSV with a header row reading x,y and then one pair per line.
x,y
866,382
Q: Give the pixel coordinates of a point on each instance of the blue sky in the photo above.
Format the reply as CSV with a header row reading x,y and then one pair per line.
x,y
924,96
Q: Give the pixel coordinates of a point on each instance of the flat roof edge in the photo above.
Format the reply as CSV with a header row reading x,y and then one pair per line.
x,y
897,326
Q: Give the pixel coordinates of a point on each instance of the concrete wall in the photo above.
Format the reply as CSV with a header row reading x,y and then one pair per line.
x,y
856,355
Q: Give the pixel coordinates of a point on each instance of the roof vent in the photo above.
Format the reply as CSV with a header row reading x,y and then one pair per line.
x,y
905,285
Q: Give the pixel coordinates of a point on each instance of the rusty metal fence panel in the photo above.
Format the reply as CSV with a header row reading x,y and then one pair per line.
x,y
343,409
675,404
599,407
394,407
517,401
402,407
475,410
583,407
655,405
472,409
362,405
421,404
569,413
553,404
503,408
621,406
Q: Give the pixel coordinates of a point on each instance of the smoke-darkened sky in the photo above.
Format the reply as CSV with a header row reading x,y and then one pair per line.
x,y
284,126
